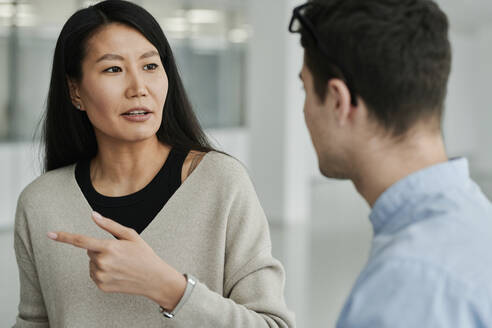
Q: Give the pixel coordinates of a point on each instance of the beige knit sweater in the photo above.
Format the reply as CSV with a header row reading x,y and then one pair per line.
x,y
213,228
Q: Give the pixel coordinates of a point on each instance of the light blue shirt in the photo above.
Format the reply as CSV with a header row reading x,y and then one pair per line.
x,y
431,258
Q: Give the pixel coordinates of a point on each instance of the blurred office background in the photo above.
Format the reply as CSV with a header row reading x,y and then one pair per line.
x,y
240,67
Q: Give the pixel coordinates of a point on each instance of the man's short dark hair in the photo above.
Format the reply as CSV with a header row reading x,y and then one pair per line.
x,y
396,53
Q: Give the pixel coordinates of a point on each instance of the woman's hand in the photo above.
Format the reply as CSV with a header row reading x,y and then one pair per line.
x,y
127,265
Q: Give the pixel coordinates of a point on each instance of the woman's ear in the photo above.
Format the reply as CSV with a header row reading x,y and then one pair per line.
x,y
74,93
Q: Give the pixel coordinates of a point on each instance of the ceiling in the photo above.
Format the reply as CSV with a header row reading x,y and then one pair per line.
x,y
464,15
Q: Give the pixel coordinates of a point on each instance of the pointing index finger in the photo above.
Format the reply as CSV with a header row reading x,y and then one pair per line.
x,y
77,240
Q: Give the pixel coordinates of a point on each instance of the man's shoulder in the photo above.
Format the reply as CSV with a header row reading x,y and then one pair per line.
x,y
403,291
455,241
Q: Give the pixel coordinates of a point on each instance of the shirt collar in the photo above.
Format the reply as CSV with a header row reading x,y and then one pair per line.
x,y
432,179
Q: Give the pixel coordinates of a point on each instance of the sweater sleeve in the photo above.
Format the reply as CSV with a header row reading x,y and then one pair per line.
x,y
253,293
32,311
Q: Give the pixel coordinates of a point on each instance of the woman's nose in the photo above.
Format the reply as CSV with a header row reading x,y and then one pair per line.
x,y
136,85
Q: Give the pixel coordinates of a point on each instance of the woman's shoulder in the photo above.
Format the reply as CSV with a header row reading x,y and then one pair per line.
x,y
224,167
48,183
224,177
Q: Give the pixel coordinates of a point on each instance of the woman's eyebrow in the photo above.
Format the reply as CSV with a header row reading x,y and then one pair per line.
x,y
109,57
148,54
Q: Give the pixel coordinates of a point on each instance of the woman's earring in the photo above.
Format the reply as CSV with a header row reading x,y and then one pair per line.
x,y
78,106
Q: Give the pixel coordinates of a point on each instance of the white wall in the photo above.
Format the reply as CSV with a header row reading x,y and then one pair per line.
x,y
19,165
483,81
460,134
468,115
266,102
280,143
482,76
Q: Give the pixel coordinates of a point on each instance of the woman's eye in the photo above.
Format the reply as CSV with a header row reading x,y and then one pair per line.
x,y
113,69
150,67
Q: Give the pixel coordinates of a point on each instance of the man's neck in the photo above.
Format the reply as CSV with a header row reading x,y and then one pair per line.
x,y
385,163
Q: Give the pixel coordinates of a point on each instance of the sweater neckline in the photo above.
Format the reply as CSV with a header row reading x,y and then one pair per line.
x,y
195,174
132,198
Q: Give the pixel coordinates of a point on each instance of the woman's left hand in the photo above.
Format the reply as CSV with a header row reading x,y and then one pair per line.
x,y
128,264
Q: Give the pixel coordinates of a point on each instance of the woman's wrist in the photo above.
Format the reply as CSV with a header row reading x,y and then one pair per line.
x,y
170,289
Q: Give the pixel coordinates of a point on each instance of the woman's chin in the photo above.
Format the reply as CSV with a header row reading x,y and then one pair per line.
x,y
128,136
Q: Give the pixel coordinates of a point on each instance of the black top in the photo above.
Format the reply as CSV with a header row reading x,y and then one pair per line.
x,y
136,210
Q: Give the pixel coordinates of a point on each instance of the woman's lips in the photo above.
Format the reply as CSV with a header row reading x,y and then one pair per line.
x,y
137,117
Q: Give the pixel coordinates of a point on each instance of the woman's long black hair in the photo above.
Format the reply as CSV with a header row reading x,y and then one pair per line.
x,y
67,133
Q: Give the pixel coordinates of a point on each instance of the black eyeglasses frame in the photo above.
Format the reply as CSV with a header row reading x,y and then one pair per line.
x,y
297,15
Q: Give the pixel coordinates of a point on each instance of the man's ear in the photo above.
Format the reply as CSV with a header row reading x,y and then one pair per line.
x,y
339,95
74,93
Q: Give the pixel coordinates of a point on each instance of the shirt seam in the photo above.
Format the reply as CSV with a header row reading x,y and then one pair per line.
x,y
22,207
406,203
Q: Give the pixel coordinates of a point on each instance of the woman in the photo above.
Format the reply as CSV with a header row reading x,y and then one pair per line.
x,y
191,246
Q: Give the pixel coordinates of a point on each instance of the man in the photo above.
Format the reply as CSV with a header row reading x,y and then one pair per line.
x,y
375,75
